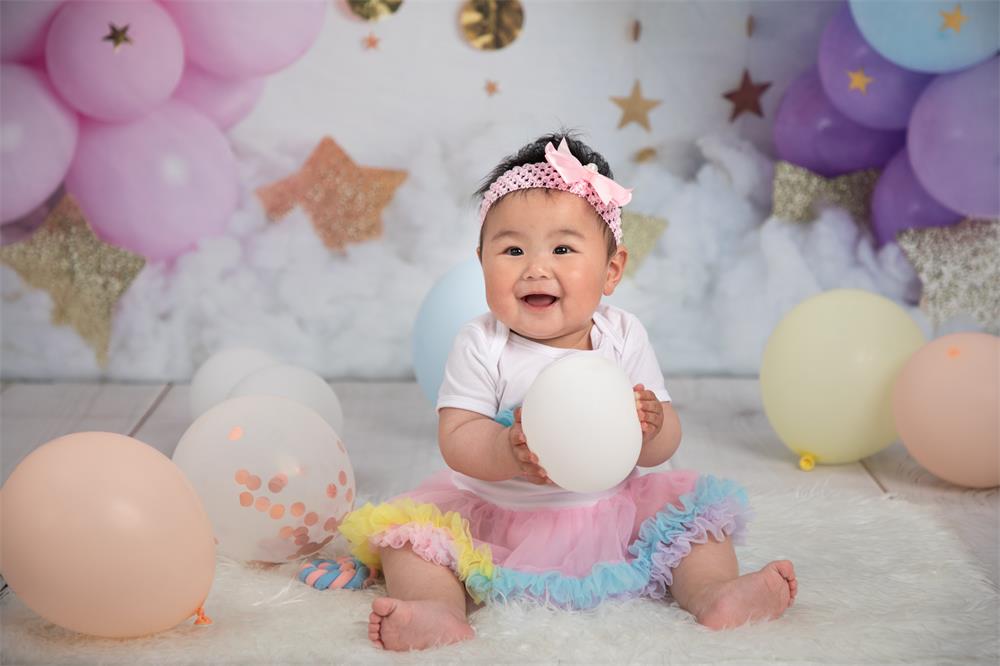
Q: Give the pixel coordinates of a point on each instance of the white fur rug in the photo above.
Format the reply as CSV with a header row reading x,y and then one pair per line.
x,y
879,583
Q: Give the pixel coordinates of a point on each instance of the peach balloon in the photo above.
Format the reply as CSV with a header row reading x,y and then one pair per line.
x,y
946,403
104,535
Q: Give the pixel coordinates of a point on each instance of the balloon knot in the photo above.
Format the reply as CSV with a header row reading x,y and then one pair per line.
x,y
807,462
202,618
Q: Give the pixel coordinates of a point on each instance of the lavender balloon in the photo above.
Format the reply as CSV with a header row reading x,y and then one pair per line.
x,y
244,39
809,131
22,28
157,185
862,84
224,101
38,136
954,140
112,81
899,202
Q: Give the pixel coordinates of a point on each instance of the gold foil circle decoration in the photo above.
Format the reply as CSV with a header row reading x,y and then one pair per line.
x,y
374,10
489,25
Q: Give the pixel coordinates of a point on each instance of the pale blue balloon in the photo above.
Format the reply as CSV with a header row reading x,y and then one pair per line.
x,y
915,35
459,296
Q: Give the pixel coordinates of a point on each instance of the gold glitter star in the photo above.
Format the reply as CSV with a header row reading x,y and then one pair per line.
x,y
797,193
746,97
635,107
644,155
859,81
640,234
953,19
117,36
84,276
492,88
959,267
370,42
343,200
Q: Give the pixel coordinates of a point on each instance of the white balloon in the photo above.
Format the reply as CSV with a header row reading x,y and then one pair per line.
x,y
217,376
294,383
580,419
274,477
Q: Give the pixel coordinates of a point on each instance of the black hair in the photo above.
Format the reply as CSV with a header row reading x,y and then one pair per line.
x,y
534,152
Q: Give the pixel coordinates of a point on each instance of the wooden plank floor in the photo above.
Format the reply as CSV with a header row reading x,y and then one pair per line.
x,y
390,429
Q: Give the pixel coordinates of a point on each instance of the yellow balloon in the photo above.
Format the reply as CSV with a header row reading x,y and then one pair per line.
x,y
827,373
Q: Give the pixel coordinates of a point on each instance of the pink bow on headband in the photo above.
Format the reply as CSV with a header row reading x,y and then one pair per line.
x,y
571,171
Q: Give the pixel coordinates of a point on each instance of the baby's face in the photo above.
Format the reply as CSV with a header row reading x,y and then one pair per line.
x,y
546,265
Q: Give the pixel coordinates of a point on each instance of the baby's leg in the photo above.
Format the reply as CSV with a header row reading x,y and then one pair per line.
x,y
425,606
707,584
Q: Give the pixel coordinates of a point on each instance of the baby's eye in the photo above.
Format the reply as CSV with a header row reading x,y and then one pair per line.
x,y
562,249
514,251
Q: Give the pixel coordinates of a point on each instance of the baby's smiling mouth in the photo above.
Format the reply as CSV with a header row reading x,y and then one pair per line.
x,y
539,300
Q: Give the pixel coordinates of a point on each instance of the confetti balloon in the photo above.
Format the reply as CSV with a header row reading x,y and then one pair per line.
x,y
295,383
103,535
275,478
579,418
216,377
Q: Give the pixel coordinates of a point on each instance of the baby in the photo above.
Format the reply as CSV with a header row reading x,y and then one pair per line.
x,y
493,527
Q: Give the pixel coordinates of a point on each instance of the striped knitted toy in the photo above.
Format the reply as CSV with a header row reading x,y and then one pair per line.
x,y
343,573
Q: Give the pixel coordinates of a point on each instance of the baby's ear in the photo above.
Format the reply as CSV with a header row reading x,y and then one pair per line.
x,y
616,269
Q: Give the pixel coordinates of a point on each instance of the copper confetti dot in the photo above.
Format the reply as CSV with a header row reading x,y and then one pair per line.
x,y
298,509
253,483
241,476
301,539
262,503
277,483
954,352
299,531
285,532
246,499
342,477
277,511
330,525
235,434
310,518
350,494
331,491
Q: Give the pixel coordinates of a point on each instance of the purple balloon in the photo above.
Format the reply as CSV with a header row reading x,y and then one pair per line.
x,y
224,101
954,140
237,40
22,28
899,202
106,81
845,57
156,185
38,135
809,131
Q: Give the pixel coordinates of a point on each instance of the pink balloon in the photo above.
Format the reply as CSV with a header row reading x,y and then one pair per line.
x,y
38,135
111,82
243,39
156,185
224,101
22,28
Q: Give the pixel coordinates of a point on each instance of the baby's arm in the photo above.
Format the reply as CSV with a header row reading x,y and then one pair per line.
x,y
480,447
661,429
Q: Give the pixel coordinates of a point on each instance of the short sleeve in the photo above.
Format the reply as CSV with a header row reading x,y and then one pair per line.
x,y
470,380
639,360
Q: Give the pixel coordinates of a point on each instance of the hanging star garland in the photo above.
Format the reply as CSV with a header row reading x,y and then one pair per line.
x,y
953,20
117,36
859,81
84,276
640,233
798,193
746,98
370,42
492,88
635,108
343,200
959,267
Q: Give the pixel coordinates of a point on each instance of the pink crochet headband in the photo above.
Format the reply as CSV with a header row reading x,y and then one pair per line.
x,y
562,171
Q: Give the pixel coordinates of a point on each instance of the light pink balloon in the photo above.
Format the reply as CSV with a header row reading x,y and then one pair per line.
x,y
22,28
157,185
224,101
243,39
38,135
108,82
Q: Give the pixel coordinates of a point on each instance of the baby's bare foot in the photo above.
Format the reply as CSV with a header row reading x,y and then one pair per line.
x,y
415,625
762,595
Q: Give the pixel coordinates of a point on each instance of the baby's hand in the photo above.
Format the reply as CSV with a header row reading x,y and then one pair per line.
x,y
650,412
527,460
